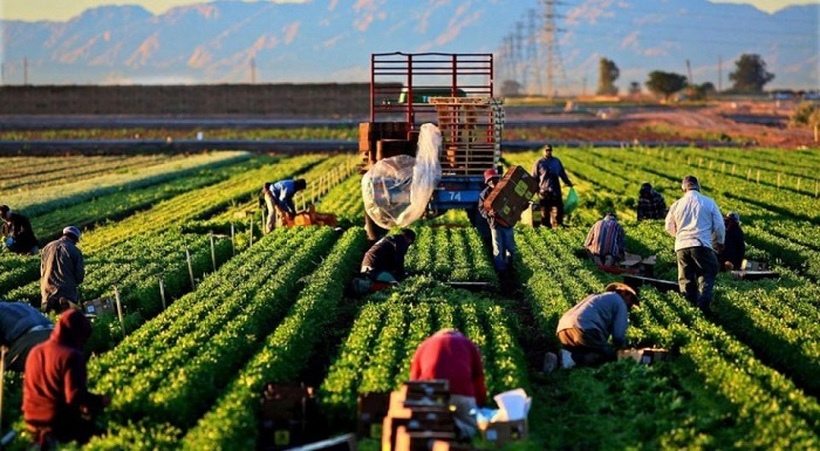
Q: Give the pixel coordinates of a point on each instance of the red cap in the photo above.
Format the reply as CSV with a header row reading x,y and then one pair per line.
x,y
490,174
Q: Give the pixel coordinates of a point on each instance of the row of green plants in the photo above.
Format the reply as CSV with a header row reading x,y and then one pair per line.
x,y
199,204
376,355
26,173
709,368
450,253
46,198
181,378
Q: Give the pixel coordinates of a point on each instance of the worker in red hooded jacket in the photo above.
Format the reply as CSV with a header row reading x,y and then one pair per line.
x,y
56,402
450,355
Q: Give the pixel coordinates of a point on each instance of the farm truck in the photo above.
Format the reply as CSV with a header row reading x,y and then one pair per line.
x,y
454,90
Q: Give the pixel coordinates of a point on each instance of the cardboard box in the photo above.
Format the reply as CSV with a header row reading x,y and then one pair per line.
x,y
419,440
501,433
512,195
429,421
646,356
100,306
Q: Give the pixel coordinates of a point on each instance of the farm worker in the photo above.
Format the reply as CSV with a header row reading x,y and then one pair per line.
x,y
279,196
384,261
696,223
734,248
605,241
548,170
57,405
585,329
449,355
21,328
18,234
651,204
501,233
62,270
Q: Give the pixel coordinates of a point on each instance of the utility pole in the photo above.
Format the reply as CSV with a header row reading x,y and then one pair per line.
x,y
533,63
253,70
521,70
25,71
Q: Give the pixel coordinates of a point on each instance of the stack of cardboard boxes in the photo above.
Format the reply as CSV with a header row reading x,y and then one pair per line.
x,y
418,413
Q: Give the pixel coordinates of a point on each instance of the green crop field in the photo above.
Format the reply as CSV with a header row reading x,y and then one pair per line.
x,y
213,309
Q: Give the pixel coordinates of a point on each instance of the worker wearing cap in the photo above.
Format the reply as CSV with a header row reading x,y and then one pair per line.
x,y
734,248
450,355
62,270
585,329
651,204
17,231
278,196
501,233
21,328
606,241
548,170
697,225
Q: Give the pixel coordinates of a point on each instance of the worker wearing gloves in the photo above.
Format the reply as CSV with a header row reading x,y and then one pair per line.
x,y
57,405
21,328
548,170
606,241
697,225
651,204
449,355
384,261
62,270
279,196
17,232
501,234
585,329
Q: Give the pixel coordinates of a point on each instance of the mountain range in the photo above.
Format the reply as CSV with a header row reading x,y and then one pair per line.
x,y
331,41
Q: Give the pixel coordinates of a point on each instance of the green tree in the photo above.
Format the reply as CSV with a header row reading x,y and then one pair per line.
x,y
510,88
608,73
750,74
665,83
634,88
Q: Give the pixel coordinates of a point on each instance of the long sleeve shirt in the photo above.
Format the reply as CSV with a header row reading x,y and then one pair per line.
x,y
695,220
17,318
452,356
387,254
62,270
283,192
20,230
606,237
55,388
605,312
548,171
652,206
482,210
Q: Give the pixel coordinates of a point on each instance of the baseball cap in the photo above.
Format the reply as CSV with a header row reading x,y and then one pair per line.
x,y
490,174
71,230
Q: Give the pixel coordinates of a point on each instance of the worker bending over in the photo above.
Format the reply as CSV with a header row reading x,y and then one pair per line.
x,y
21,328
384,261
585,329
62,270
278,197
651,204
734,247
449,355
18,234
606,241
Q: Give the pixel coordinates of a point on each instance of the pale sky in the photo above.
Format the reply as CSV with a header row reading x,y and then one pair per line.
x,y
61,10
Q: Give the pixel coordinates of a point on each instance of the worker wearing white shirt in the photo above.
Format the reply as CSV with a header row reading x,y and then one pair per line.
x,y
697,225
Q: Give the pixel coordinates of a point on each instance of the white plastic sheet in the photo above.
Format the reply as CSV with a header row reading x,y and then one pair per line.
x,y
396,190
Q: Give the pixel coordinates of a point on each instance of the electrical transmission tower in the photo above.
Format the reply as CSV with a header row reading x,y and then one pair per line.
x,y
550,41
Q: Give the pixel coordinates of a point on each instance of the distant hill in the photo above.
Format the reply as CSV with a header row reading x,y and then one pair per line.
x,y
325,41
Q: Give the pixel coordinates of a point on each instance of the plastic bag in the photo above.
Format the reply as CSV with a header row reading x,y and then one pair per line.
x,y
572,201
396,190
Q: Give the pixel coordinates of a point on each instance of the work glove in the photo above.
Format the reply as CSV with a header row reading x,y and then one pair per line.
x,y
9,242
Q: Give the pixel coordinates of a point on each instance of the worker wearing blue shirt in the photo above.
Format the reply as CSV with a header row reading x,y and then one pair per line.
x,y
279,196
